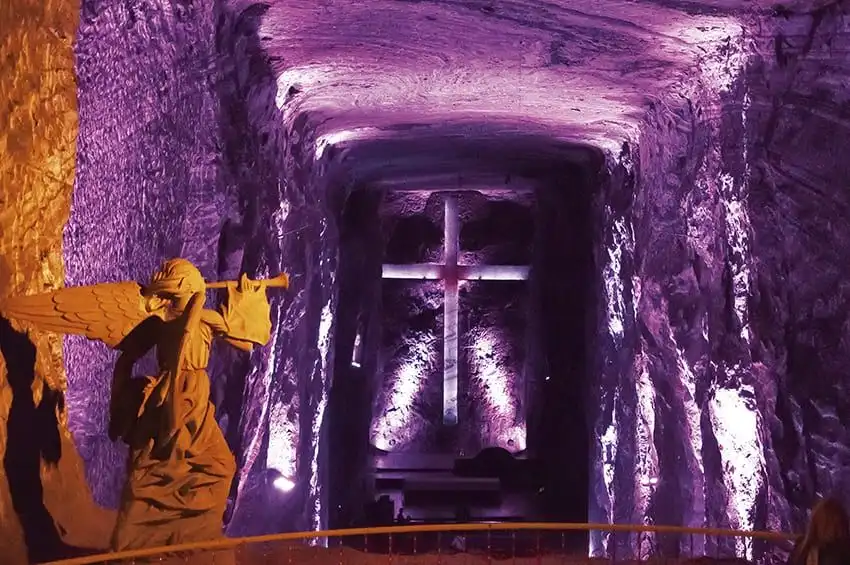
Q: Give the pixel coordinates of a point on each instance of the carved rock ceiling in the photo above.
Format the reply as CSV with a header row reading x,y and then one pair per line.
x,y
586,67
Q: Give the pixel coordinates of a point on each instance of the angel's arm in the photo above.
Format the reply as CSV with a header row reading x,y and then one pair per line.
x,y
133,348
218,324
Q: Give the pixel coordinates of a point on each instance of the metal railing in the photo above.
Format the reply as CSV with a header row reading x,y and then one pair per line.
x,y
448,544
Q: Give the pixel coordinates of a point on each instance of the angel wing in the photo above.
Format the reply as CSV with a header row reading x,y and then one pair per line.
x,y
105,312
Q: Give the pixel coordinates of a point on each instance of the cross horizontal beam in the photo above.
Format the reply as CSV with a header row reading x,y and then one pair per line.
x,y
428,271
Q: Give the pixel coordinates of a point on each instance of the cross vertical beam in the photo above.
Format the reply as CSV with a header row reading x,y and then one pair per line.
x,y
450,308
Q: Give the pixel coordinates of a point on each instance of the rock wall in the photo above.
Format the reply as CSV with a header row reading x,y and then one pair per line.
x,y
293,217
187,158
44,500
682,437
798,133
146,185
724,263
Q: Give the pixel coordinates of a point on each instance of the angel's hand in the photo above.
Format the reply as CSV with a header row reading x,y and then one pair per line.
x,y
247,285
247,312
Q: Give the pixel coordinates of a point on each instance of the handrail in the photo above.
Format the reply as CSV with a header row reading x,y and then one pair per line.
x,y
226,543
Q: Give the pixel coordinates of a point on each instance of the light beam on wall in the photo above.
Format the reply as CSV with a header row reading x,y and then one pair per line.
x,y
647,454
498,386
623,241
326,324
392,430
736,426
283,439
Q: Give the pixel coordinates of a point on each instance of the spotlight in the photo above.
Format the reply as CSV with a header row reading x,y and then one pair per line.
x,y
280,482
649,481
283,484
358,351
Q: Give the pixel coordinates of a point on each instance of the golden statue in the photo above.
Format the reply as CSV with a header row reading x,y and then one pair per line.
x,y
180,467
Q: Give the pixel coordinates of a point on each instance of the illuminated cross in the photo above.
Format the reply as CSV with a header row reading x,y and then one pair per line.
x,y
450,272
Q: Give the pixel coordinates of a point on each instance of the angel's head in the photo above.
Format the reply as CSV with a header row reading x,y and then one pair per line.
x,y
174,282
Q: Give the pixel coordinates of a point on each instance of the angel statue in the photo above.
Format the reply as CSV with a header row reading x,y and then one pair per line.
x,y
180,467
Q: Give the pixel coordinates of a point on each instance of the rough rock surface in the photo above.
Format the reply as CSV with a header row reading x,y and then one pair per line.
x,y
44,500
731,413
184,159
410,353
232,134
798,134
144,190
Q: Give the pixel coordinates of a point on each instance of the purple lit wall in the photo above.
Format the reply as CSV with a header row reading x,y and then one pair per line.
x,y
408,381
409,401
496,390
677,261
147,181
497,229
181,153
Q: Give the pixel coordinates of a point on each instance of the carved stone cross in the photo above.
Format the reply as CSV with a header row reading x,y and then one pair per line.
x,y
451,273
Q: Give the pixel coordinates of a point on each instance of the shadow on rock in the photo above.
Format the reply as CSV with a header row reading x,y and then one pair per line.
x,y
33,436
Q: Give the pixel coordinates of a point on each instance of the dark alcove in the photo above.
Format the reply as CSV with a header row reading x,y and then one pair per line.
x,y
350,399
563,285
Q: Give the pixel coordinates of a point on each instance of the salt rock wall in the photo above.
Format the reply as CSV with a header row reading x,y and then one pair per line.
x,y
496,230
293,217
798,134
146,187
409,377
726,326
188,158
682,437
44,500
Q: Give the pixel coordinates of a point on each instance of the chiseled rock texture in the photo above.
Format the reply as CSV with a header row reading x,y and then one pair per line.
x,y
726,228
145,187
232,133
181,153
45,502
799,131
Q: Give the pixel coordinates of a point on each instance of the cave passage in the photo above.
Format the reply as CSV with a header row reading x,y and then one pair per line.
x,y
523,353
